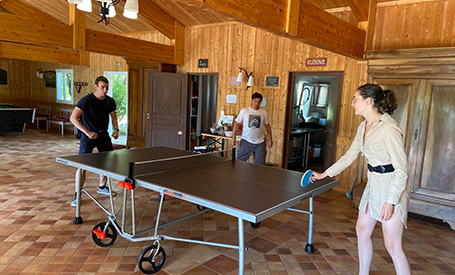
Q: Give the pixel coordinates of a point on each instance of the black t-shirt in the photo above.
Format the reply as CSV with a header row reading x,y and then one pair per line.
x,y
96,112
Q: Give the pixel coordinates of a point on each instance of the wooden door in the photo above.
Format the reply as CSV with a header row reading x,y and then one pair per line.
x,y
167,109
433,171
333,110
405,91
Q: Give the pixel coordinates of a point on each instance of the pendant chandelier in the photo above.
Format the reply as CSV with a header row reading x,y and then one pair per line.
x,y
107,8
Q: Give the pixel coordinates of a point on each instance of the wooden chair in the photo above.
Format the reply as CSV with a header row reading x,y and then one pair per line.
x,y
42,112
63,120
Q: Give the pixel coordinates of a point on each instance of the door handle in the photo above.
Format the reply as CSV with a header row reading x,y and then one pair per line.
x,y
148,115
180,133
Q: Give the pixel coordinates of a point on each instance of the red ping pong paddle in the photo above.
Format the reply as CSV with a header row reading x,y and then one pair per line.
x,y
306,178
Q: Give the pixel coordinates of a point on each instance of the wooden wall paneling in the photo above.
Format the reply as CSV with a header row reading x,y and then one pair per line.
x,y
415,37
407,26
386,31
415,25
447,34
234,45
378,28
427,24
396,17
436,31
450,8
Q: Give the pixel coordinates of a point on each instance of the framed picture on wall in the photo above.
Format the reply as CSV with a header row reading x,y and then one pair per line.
x,y
49,79
3,77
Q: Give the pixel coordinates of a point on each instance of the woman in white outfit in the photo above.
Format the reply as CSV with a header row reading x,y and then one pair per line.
x,y
386,195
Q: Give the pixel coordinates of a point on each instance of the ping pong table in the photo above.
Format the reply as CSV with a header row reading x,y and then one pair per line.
x,y
247,191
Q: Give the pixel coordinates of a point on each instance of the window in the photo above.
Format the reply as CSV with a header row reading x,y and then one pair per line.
x,y
323,97
65,86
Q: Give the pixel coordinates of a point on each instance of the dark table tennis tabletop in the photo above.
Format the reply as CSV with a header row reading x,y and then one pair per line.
x,y
244,190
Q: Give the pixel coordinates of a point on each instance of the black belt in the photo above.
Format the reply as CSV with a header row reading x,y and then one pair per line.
x,y
381,168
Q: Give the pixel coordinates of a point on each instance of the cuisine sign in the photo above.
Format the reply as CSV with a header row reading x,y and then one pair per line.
x,y
316,61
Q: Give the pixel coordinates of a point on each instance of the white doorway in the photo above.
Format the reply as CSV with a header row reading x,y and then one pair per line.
x,y
118,90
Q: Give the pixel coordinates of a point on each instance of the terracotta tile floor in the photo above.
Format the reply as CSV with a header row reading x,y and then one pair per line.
x,y
37,235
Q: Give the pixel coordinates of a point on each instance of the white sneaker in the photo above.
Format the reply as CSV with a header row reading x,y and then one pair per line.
x,y
74,201
105,191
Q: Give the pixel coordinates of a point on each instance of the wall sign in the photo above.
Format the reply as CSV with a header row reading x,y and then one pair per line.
x,y
231,99
49,79
203,63
233,81
316,61
272,81
263,102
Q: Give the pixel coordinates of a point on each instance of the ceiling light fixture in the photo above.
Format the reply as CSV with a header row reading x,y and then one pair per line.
x,y
107,8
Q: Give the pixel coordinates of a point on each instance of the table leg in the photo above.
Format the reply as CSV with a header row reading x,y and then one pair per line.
x,y
78,218
208,144
309,248
241,248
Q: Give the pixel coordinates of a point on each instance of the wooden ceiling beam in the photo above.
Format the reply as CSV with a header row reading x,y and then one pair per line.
x,y
292,17
327,31
158,18
19,51
21,8
77,21
179,44
24,30
106,43
371,25
315,26
359,8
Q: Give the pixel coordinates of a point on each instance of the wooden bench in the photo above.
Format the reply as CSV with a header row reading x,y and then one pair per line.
x,y
42,112
62,120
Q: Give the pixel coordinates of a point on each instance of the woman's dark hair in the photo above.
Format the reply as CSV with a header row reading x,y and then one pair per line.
x,y
383,100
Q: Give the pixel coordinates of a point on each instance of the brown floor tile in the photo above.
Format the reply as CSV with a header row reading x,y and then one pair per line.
x,y
200,270
261,245
222,264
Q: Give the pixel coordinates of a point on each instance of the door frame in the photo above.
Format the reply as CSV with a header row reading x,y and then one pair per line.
x,y
290,97
107,74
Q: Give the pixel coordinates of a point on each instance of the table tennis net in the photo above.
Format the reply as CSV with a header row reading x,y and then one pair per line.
x,y
175,163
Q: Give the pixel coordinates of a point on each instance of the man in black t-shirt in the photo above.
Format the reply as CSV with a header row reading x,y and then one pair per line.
x,y
91,117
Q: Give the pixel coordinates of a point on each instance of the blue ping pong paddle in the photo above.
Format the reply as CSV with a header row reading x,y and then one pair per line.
x,y
306,178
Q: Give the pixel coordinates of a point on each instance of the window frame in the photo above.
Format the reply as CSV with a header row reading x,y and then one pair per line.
x,y
58,87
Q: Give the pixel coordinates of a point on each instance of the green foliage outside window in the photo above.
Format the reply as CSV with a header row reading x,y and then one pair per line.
x,y
118,84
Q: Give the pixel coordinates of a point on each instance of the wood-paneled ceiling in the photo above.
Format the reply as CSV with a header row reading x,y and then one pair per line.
x,y
185,12
309,21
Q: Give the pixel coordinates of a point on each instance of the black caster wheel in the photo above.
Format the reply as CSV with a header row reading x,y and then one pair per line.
x,y
104,239
159,198
309,248
200,208
77,220
255,225
149,264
